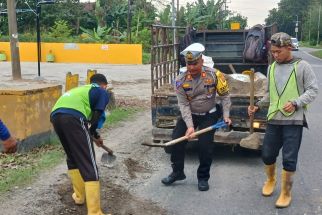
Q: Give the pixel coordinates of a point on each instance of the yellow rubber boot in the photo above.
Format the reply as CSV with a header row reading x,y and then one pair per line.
x,y
270,182
285,197
93,200
78,186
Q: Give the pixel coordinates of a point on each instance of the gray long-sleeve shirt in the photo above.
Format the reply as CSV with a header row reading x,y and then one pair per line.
x,y
307,86
194,97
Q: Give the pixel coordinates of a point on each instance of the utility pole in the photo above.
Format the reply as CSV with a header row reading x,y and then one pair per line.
x,y
129,21
318,37
38,11
14,43
310,26
173,25
296,25
178,8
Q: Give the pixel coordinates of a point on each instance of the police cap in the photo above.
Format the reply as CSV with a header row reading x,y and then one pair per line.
x,y
193,53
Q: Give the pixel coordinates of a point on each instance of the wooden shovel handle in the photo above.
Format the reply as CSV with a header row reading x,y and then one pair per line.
x,y
180,139
109,151
251,92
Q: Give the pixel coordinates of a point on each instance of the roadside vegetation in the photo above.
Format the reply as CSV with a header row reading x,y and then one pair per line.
x,y
21,169
317,53
310,45
303,12
106,21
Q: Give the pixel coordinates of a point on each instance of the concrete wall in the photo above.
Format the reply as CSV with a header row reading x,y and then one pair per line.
x,y
79,53
25,107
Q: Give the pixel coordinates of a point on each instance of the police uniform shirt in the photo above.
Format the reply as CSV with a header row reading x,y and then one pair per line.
x,y
198,94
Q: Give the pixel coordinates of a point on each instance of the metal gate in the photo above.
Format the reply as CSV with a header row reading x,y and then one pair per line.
x,y
164,54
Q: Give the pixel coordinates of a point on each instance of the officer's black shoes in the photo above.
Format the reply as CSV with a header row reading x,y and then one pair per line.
x,y
203,185
174,176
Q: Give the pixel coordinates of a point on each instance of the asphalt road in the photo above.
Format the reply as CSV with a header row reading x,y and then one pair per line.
x,y
237,177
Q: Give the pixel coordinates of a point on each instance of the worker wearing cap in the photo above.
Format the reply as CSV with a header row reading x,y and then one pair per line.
x,y
75,118
198,89
9,143
292,85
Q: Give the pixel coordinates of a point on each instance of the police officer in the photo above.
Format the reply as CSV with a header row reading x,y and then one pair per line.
x,y
71,117
196,91
292,86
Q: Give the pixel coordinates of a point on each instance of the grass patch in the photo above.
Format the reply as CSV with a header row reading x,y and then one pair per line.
x,y
317,53
310,45
146,58
120,114
21,169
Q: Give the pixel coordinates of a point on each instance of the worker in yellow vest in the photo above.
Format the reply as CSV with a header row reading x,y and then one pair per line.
x,y
292,85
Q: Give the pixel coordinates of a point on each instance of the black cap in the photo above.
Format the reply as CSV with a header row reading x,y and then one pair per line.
x,y
98,79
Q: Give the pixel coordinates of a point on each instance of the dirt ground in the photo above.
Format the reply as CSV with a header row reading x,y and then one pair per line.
x,y
51,192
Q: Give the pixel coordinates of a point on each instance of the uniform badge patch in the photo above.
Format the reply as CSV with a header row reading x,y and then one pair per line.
x,y
178,84
189,56
222,85
186,85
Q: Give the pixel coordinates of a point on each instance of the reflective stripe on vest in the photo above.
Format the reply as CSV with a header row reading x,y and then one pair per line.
x,y
290,92
76,99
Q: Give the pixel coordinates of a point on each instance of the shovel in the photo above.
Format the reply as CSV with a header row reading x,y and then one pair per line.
x,y
108,157
220,124
253,140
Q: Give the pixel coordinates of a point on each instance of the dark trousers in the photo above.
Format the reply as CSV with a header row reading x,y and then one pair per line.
x,y
205,144
74,136
289,138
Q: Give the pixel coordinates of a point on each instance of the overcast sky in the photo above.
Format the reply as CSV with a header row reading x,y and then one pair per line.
x,y
255,10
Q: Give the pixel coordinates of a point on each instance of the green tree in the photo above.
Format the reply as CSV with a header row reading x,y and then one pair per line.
x,y
60,29
237,18
310,24
165,15
286,14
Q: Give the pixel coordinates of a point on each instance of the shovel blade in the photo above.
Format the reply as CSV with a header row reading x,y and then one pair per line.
x,y
108,158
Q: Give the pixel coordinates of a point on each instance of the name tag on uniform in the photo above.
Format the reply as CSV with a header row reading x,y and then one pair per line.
x,y
186,87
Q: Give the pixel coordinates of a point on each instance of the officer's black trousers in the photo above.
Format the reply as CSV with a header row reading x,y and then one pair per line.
x,y
205,144
74,136
289,138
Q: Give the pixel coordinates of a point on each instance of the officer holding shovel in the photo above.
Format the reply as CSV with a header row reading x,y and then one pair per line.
x,y
292,85
198,89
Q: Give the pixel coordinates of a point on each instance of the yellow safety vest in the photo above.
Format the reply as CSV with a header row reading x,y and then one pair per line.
x,y
290,92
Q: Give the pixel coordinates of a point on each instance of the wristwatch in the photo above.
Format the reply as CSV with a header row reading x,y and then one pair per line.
x,y
294,104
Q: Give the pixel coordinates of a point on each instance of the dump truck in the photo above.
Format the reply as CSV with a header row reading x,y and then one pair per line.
x,y
225,48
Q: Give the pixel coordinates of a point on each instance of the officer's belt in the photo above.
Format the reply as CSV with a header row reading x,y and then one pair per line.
x,y
203,114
